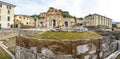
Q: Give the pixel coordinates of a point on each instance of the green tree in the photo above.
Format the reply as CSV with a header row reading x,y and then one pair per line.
x,y
37,16
66,14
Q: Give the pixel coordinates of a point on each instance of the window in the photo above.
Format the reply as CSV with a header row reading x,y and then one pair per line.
x,y
20,17
8,24
0,5
0,18
24,18
8,11
26,22
8,18
8,7
0,26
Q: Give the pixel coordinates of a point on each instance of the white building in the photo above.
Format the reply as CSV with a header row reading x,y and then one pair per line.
x,y
98,20
6,15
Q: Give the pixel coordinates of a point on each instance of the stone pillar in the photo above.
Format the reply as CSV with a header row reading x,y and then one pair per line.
x,y
99,20
119,45
36,24
19,26
105,21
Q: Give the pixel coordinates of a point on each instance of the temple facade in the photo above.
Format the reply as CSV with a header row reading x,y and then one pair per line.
x,y
53,18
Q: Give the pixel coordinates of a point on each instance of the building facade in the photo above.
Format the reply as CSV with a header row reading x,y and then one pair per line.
x,y
118,25
98,20
23,21
53,18
6,15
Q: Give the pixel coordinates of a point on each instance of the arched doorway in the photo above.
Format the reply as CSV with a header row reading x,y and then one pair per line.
x,y
54,23
41,23
66,23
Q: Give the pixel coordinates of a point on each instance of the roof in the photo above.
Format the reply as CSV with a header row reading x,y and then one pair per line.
x,y
97,15
23,15
5,3
118,23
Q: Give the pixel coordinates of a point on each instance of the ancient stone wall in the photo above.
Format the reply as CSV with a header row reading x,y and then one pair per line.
x,y
31,53
29,32
6,35
109,46
10,44
82,49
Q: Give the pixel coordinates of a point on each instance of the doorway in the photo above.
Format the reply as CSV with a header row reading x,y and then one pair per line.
x,y
54,23
66,23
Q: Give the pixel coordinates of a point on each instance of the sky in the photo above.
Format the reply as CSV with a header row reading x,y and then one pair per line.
x,y
78,8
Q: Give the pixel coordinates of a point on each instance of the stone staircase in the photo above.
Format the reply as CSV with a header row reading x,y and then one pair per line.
x,y
5,48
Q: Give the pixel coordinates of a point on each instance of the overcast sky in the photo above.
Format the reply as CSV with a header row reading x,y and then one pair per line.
x,y
78,8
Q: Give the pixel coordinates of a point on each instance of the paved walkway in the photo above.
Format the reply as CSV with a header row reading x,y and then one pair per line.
x,y
113,55
5,48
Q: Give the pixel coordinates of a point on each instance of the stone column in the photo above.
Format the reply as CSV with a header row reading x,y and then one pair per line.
x,y
36,23
119,44
19,25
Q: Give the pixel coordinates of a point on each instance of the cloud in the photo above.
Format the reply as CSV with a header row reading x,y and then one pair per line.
x,y
28,7
79,8
110,8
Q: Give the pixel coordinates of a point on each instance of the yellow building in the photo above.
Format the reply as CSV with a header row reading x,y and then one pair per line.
x,y
80,21
98,20
118,25
24,21
6,15
53,18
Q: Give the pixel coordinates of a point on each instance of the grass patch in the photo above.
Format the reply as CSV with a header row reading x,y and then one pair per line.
x,y
4,55
67,35
118,57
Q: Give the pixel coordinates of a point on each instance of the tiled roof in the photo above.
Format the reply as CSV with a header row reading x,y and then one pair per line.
x,y
97,15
